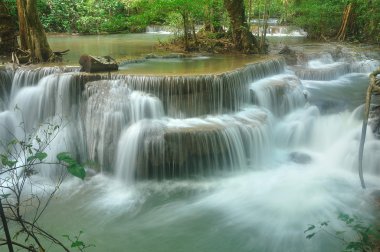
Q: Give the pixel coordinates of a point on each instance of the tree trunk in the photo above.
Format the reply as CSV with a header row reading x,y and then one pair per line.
x,y
263,45
8,37
186,30
193,32
345,19
32,34
242,38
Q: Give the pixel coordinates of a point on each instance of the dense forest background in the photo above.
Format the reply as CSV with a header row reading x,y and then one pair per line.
x,y
322,19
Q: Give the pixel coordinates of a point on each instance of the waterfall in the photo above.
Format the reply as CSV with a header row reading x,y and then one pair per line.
x,y
24,77
6,76
164,127
346,92
280,94
322,66
253,155
8,128
189,96
111,106
55,94
190,147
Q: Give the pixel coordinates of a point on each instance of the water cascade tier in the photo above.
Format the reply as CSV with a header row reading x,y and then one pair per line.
x,y
175,126
237,161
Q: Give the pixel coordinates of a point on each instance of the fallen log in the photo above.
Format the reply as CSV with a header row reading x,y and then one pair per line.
x,y
93,64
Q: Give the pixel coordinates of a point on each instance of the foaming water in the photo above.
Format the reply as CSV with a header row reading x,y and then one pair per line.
x,y
183,148
240,161
110,107
222,214
54,95
280,94
346,92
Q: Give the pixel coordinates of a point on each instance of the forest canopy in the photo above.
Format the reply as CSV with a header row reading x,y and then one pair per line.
x,y
320,18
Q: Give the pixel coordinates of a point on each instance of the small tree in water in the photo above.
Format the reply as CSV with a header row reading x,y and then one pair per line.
x,y
23,200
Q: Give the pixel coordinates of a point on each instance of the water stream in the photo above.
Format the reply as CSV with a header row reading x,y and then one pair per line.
x,y
236,161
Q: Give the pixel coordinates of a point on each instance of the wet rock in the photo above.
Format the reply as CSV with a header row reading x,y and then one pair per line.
x,y
374,121
337,53
289,55
93,64
376,195
300,158
168,56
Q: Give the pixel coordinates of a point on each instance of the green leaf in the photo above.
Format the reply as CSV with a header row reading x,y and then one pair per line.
x,y
354,245
325,223
310,235
6,162
13,142
77,171
40,155
66,158
4,159
77,244
30,158
311,227
73,167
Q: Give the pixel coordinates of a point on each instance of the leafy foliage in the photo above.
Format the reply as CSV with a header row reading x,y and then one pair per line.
x,y
322,19
358,235
318,17
83,16
77,243
72,165
20,160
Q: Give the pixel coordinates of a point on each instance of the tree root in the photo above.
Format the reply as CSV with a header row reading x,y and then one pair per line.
x,y
24,57
373,88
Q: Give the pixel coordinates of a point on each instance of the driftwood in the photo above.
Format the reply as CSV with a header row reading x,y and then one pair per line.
x,y
21,57
372,88
24,57
93,64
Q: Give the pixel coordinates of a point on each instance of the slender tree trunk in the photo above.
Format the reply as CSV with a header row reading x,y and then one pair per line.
x,y
241,36
32,34
265,27
5,227
285,17
22,24
249,13
185,30
193,30
345,19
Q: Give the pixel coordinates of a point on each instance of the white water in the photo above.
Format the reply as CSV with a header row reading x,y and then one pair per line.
x,y
255,198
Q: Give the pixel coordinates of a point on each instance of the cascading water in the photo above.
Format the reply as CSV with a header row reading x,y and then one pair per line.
x,y
240,161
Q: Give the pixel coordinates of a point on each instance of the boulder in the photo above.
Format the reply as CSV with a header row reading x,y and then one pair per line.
x,y
289,55
376,196
300,158
93,64
374,121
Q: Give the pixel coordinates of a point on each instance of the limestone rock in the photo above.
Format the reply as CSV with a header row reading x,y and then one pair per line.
x,y
93,64
289,55
374,121
300,158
